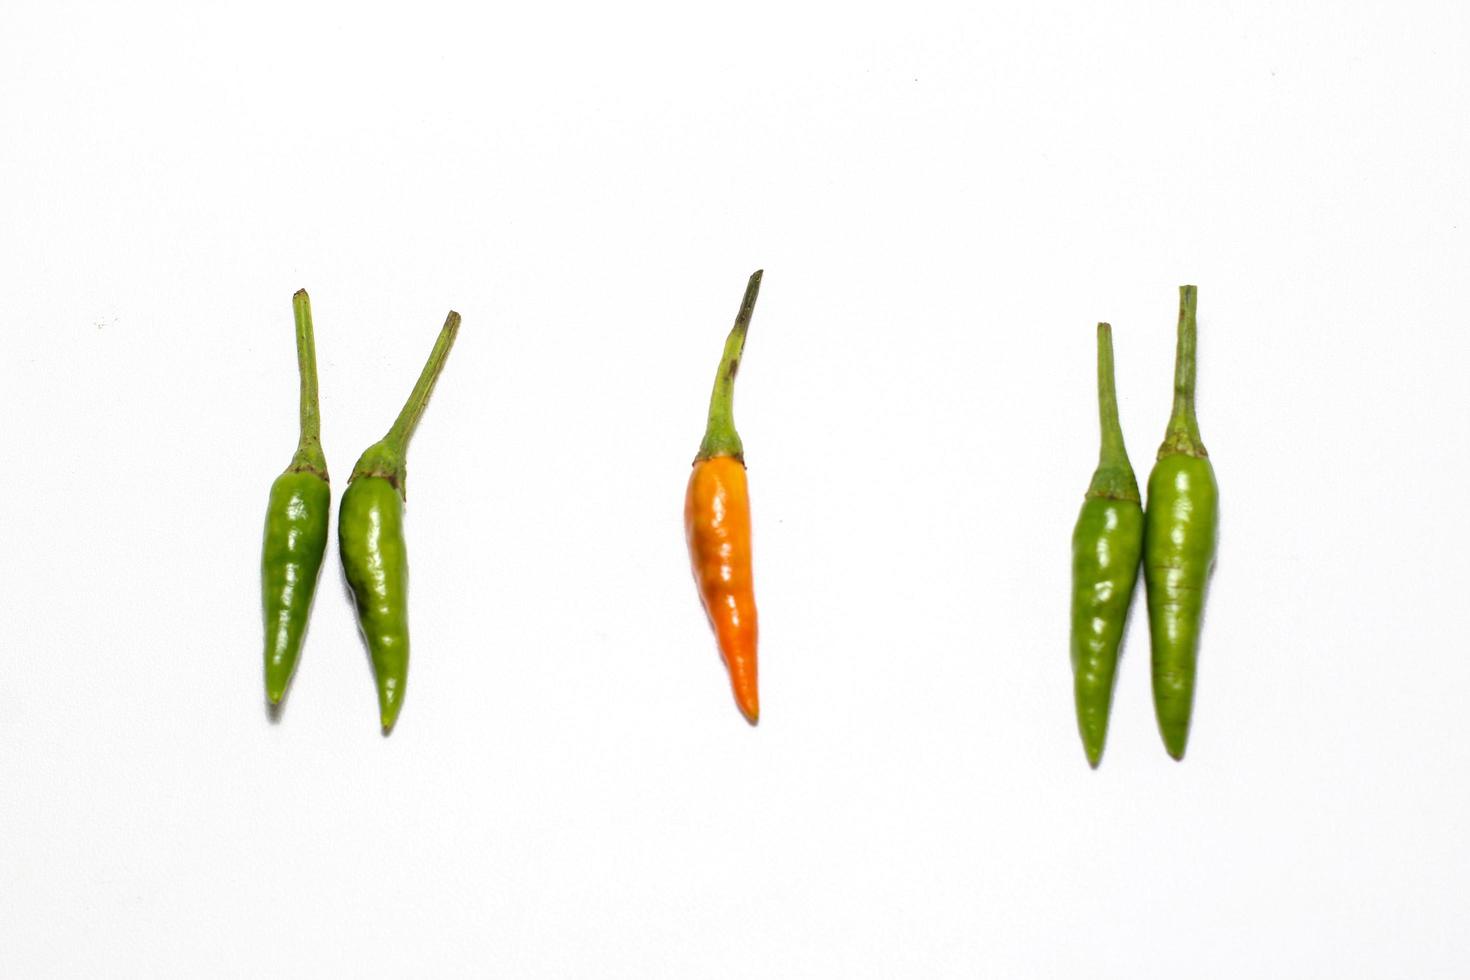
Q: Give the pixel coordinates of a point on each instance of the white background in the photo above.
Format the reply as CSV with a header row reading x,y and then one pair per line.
x,y
945,201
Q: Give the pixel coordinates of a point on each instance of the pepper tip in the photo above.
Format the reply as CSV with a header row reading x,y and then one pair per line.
x,y
388,708
1174,744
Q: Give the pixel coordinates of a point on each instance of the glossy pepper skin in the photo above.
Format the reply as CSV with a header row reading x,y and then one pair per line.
x,y
1107,543
717,524
370,535
1179,539
296,520
376,559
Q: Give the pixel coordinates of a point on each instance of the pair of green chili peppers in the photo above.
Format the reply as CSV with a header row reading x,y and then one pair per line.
x,y
1175,539
369,530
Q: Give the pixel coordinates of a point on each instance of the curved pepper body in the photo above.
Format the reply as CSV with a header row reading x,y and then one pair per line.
x,y
1107,543
370,536
296,521
717,526
375,559
1180,530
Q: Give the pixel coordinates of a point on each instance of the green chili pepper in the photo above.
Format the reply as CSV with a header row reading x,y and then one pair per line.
x,y
1106,545
295,526
370,529
1179,535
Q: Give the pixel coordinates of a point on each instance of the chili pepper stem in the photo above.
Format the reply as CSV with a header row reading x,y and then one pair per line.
x,y
1113,478
1182,436
388,458
309,457
720,437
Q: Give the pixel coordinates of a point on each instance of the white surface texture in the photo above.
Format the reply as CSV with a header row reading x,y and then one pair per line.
x,y
945,199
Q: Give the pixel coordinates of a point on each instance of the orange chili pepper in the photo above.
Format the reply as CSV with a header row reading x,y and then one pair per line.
x,y
717,523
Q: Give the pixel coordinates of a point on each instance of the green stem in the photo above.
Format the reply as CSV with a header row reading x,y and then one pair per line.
x,y
1182,436
1113,477
309,456
1107,397
720,437
388,458
418,399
